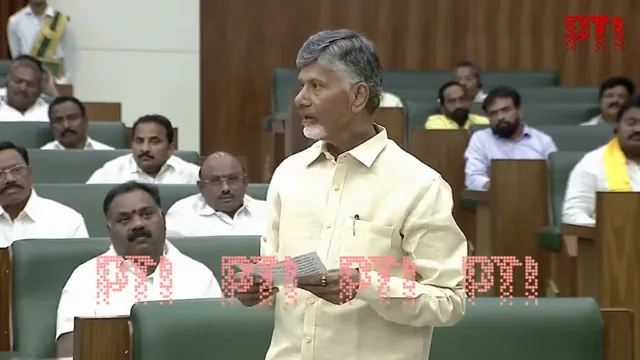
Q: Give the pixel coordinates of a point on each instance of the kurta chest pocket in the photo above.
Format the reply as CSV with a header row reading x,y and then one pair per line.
x,y
365,238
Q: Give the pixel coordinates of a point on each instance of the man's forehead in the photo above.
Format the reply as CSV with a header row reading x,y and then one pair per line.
x,y
316,71
617,88
500,103
132,208
454,90
10,157
632,114
149,129
24,71
132,201
65,108
223,169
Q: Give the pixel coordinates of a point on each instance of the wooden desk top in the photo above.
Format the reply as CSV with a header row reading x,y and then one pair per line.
x,y
475,195
584,232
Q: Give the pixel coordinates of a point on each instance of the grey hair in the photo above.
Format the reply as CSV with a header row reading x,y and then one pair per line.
x,y
351,55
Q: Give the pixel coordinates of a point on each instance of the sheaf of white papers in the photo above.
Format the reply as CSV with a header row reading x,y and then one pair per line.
x,y
305,265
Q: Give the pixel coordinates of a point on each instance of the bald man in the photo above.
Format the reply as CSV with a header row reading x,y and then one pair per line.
x,y
222,207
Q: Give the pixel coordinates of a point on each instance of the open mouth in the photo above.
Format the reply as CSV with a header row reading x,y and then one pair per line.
x,y
308,120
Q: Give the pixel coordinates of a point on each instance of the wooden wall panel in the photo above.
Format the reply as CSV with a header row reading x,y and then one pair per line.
x,y
242,41
7,8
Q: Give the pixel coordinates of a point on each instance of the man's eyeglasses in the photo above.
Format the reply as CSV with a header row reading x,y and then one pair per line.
x,y
230,180
15,171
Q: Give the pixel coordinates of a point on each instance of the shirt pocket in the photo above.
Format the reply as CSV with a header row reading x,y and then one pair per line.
x,y
364,238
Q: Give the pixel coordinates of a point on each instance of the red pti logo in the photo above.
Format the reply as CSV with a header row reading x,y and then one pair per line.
x,y
577,29
506,264
112,276
382,264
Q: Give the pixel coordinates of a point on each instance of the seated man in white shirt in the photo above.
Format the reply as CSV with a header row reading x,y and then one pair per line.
x,y
26,82
138,250
25,215
612,167
509,138
468,74
222,207
613,92
69,125
151,160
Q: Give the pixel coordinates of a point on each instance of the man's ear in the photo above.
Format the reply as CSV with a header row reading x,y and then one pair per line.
x,y
359,97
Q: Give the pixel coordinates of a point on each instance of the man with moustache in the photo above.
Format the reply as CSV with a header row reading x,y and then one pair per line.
x,y
340,198
454,105
612,167
613,92
27,81
25,215
69,125
222,207
508,138
136,227
151,160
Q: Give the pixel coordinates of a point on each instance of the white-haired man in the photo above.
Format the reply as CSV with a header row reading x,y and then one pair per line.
x,y
342,198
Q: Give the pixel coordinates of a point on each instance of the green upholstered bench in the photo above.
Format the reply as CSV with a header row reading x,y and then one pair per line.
x,y
35,134
40,268
209,250
77,166
200,329
555,329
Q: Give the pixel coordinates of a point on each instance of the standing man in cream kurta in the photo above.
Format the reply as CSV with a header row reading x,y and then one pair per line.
x,y
355,192
44,33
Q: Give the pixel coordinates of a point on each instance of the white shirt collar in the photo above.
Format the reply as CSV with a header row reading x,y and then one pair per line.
x,y
48,12
170,252
89,145
480,96
596,120
31,209
205,210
